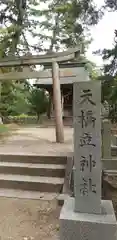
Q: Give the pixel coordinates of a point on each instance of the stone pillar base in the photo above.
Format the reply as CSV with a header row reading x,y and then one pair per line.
x,y
83,226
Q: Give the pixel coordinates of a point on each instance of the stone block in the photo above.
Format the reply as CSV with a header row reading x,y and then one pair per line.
x,y
84,226
106,139
114,140
61,199
87,147
68,175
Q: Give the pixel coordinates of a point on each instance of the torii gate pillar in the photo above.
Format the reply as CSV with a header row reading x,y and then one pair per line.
x,y
57,103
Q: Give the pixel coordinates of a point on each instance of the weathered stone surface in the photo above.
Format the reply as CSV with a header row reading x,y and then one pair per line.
x,y
86,217
68,175
83,226
87,146
106,139
114,140
111,179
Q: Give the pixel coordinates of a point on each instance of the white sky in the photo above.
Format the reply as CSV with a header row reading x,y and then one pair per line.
x,y
102,34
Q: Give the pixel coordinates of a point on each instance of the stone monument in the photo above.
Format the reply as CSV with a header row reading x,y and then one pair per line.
x,y
86,217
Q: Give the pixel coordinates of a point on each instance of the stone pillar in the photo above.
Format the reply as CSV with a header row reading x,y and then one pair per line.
x,y
114,140
106,139
87,147
86,217
57,103
62,103
49,105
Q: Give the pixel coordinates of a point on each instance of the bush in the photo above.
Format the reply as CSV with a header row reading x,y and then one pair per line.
x,y
21,119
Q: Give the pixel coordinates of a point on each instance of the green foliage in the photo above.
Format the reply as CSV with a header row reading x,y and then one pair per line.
x,y
110,74
65,22
38,101
14,98
7,97
61,24
21,103
92,70
16,22
109,78
110,55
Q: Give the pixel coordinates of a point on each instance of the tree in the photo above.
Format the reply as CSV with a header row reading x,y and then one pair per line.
x,y
111,5
7,98
109,56
14,98
16,23
63,26
92,69
21,102
65,22
109,76
38,101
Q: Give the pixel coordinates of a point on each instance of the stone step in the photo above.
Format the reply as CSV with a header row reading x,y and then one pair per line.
x,y
47,170
111,172
109,164
31,158
113,150
35,195
31,183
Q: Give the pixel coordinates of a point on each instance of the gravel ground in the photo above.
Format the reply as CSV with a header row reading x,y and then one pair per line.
x,y
37,140
28,219
31,219
35,219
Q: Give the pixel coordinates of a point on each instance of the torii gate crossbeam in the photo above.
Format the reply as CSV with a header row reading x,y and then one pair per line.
x,y
53,59
39,59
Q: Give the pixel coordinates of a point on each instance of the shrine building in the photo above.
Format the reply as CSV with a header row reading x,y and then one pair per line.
x,y
68,72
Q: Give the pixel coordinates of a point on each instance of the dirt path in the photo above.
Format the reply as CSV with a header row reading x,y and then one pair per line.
x,y
37,140
28,219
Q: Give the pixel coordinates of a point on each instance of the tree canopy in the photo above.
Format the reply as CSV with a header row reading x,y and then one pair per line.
x,y
65,22
58,22
33,26
38,96
16,22
109,56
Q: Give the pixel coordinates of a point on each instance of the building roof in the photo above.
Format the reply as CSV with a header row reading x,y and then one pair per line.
x,y
48,81
67,76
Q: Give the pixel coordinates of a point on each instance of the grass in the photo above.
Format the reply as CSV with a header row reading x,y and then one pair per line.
x,y
3,130
7,129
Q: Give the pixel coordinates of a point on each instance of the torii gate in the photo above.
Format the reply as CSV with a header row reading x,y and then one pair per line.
x,y
52,59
